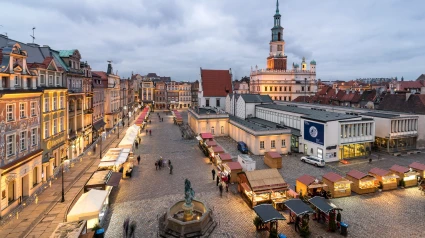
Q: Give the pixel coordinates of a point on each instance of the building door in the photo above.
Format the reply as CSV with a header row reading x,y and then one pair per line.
x,y
11,191
25,186
320,153
305,149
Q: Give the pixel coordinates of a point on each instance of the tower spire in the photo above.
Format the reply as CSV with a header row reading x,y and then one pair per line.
x,y
277,7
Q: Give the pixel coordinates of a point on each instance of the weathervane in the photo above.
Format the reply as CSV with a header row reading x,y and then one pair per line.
x,y
33,35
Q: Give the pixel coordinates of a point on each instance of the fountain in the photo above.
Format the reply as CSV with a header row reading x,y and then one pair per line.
x,y
187,218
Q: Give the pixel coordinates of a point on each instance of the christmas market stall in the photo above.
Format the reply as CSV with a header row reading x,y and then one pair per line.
x,y
420,168
310,186
273,159
325,212
299,215
385,180
214,151
362,183
267,217
73,229
117,160
202,138
222,158
338,185
263,186
407,177
103,180
232,168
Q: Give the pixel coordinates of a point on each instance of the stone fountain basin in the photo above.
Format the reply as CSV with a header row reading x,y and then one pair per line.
x,y
202,216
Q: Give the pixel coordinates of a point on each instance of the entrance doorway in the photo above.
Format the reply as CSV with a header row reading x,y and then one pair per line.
x,y
320,153
11,191
25,186
305,149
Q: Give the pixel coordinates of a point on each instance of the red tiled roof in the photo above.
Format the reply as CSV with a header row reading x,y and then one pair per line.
x,y
211,143
400,169
206,136
306,179
410,84
101,74
417,165
47,61
357,174
378,171
333,177
273,154
398,103
234,165
217,149
225,156
216,83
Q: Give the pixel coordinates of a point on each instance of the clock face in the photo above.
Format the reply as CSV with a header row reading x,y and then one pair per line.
x,y
313,131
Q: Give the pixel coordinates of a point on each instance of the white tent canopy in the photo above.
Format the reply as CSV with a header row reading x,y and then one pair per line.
x,y
115,157
129,138
88,205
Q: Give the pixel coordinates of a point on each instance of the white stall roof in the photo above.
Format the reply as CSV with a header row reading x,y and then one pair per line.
x,y
88,205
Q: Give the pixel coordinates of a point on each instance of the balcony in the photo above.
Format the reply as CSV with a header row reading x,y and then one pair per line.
x,y
88,111
89,94
75,90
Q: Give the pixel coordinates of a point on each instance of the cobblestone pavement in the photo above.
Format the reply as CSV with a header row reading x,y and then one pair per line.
x,y
397,213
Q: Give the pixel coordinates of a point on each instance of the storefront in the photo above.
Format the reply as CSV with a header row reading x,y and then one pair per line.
x,y
408,176
338,185
362,183
309,185
354,150
395,144
385,180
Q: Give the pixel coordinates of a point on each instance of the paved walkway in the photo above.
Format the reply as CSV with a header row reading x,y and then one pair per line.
x,y
41,219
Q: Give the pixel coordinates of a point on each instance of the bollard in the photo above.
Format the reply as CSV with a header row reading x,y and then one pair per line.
x,y
36,199
17,215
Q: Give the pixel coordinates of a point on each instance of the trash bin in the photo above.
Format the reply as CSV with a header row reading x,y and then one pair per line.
x,y
344,228
281,235
100,233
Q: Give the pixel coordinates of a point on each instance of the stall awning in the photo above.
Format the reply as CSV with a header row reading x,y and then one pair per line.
x,y
88,205
206,136
246,187
268,213
322,205
317,185
115,179
198,138
99,125
298,207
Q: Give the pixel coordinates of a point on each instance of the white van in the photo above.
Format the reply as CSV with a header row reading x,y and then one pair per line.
x,y
316,161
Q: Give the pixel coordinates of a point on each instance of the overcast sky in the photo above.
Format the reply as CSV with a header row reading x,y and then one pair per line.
x,y
348,39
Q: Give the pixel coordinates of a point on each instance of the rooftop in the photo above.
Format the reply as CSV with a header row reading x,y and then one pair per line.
x,y
216,83
315,115
256,98
379,114
257,124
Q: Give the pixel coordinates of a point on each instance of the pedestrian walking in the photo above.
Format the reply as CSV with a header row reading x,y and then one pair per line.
x,y
169,163
146,131
150,132
160,163
227,187
138,159
150,122
213,173
171,169
218,180
220,187
228,178
137,145
162,119
370,160
156,165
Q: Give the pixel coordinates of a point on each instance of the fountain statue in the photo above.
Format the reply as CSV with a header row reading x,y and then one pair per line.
x,y
188,197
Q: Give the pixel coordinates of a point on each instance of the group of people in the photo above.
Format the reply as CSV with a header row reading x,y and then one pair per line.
x,y
161,164
159,117
222,181
150,132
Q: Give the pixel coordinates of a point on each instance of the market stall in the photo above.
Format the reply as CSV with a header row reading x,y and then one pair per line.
x,y
213,151
130,137
273,159
206,136
325,212
299,213
221,159
117,160
91,206
177,117
385,180
210,143
103,180
418,167
308,185
140,121
408,176
338,185
362,183
269,217
263,186
232,168
73,229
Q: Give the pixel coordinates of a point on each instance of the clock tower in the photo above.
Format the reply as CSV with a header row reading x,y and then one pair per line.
x,y
277,58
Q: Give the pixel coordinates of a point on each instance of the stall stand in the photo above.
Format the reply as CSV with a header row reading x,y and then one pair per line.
x,y
103,180
214,151
247,163
418,167
263,186
91,206
232,168
273,159
130,137
325,212
362,183
269,217
298,211
117,160
73,229
206,136
338,185
210,143
222,158
308,185
409,176
387,179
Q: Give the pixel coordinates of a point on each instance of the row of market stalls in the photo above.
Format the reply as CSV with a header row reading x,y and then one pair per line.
x,y
141,119
177,117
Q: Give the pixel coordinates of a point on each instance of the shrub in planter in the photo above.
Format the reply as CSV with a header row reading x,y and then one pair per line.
x,y
332,223
304,229
257,222
96,227
273,233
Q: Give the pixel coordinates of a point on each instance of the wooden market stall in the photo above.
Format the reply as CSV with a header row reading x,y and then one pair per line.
x,y
387,179
418,167
325,211
214,151
103,180
206,136
269,217
273,159
362,183
221,159
233,168
263,186
409,176
210,143
338,185
117,160
308,185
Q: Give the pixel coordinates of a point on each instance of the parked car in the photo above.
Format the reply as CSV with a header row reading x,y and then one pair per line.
x,y
242,147
316,161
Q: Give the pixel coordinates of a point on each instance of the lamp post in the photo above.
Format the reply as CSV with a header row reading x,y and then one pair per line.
x,y
63,189
100,145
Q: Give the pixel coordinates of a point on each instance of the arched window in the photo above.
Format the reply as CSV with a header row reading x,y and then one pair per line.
x,y
212,130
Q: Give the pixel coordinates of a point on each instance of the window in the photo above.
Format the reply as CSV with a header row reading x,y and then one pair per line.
x,y
55,126
42,79
9,112
61,124
302,88
61,102
57,81
222,129
34,177
273,144
22,110
10,145
308,88
280,98
275,89
50,79
17,80
284,88
280,89
217,102
283,143
34,136
46,129
55,104
207,102
22,140
289,98
265,88
46,104
271,88
262,145
33,104
212,130
290,88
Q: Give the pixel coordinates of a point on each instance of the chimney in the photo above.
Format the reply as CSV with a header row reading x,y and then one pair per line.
x,y
407,96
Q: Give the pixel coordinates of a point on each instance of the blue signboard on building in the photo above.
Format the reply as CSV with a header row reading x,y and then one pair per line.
x,y
314,132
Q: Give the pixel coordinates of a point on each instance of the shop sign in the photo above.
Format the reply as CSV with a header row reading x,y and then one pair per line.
x,y
53,143
314,132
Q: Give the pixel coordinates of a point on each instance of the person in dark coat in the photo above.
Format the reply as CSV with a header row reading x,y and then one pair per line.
x,y
156,165
218,180
213,173
220,187
169,163
227,187
297,223
150,132
171,169
137,145
228,178
138,159
146,131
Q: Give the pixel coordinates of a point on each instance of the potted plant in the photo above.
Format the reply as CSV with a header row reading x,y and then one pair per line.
x,y
96,227
380,186
402,183
332,223
304,229
257,222
273,233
